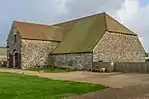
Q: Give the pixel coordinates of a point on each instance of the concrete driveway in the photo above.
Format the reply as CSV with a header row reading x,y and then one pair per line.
x,y
114,80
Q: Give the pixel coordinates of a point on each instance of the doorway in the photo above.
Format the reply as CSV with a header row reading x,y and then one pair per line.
x,y
16,60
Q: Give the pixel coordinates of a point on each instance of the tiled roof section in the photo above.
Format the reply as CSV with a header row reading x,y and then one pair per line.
x,y
115,26
79,35
82,35
38,31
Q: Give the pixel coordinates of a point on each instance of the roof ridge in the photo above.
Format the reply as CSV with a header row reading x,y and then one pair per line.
x,y
78,18
32,23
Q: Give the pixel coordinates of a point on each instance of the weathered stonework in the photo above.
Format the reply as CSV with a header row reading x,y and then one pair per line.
x,y
82,61
33,48
118,47
36,52
13,46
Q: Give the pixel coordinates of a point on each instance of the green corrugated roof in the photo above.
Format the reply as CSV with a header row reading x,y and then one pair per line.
x,y
82,35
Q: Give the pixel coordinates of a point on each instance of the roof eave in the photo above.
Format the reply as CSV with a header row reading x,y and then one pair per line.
x,y
71,53
126,33
41,39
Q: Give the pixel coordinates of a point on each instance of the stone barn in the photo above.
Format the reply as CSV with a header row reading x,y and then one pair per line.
x,y
29,44
97,38
75,44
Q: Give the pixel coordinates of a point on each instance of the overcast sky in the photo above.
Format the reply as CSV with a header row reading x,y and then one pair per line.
x,y
132,13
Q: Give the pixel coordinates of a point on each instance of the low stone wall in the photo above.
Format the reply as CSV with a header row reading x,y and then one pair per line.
x,y
82,61
36,53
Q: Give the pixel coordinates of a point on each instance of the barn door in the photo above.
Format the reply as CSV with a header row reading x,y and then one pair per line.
x,y
16,61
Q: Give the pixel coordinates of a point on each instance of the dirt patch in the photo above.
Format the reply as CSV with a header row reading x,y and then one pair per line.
x,y
131,92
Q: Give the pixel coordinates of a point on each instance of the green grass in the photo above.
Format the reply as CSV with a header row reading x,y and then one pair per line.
x,y
49,70
2,51
16,86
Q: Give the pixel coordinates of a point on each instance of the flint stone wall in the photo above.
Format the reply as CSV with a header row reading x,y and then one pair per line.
x,y
35,53
81,61
118,47
11,44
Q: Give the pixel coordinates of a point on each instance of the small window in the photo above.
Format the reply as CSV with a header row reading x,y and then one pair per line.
x,y
15,37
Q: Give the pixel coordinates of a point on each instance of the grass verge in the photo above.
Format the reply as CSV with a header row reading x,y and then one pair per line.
x,y
2,51
19,86
49,70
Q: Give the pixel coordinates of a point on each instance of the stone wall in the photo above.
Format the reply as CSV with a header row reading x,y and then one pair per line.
x,y
119,48
35,52
82,61
13,46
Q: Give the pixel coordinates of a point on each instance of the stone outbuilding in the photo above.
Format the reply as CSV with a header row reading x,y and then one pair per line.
x,y
30,44
75,44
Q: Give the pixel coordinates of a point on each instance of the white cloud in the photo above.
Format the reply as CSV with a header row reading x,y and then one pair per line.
x,y
129,12
78,8
135,16
61,6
